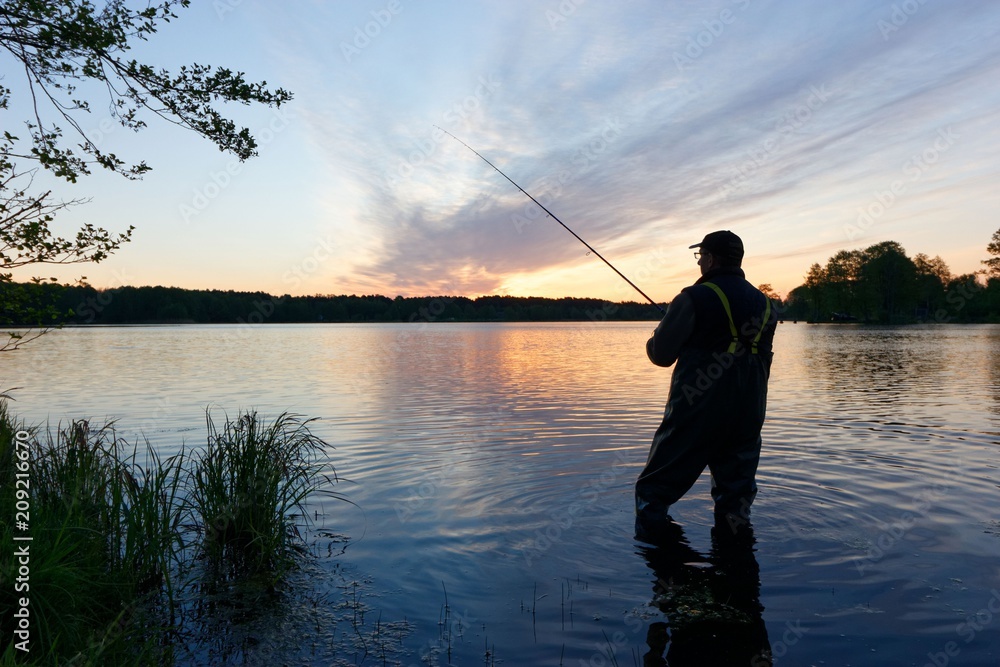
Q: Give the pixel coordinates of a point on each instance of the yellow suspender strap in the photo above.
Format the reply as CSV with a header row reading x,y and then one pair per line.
x,y
767,316
729,314
732,326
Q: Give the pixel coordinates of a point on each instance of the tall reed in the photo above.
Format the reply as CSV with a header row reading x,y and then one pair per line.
x,y
86,571
249,485
113,530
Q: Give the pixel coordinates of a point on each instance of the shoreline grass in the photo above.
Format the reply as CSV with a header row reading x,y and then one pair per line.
x,y
115,535
248,485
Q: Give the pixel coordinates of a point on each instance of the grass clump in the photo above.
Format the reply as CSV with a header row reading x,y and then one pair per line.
x,y
87,576
248,488
115,530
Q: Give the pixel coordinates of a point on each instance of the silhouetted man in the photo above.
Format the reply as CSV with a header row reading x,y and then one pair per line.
x,y
719,332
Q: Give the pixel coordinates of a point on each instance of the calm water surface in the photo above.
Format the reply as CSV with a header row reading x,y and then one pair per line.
x,y
492,469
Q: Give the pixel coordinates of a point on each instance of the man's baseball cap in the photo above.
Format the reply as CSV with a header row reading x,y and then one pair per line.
x,y
723,244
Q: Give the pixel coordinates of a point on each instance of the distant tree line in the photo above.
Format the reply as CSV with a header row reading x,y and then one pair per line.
x,y
51,304
881,284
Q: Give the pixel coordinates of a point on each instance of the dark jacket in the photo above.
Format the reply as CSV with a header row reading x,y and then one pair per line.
x,y
697,319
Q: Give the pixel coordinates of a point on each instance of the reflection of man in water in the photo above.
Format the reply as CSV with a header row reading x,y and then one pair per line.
x,y
712,605
719,331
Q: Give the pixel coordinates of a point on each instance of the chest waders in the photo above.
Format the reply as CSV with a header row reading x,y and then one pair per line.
x,y
732,325
692,437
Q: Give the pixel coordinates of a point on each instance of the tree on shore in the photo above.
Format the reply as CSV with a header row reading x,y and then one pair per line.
x,y
844,285
889,277
933,276
58,45
809,300
882,284
993,263
769,292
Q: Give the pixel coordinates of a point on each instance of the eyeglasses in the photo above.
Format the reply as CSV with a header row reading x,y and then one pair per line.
x,y
697,254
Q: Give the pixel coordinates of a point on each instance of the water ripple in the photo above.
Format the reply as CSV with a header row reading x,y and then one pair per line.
x,y
498,461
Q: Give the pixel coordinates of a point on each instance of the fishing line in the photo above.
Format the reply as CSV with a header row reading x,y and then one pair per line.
x,y
553,216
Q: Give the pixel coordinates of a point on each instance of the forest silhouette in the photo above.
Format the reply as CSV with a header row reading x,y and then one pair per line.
x,y
879,284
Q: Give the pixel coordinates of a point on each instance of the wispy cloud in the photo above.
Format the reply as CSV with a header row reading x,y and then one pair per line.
x,y
642,126
596,119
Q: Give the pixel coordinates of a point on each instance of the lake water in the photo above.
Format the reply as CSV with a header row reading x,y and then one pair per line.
x,y
491,467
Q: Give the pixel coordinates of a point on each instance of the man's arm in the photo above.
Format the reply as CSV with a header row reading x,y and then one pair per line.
x,y
672,332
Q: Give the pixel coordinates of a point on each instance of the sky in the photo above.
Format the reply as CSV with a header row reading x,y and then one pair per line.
x,y
804,126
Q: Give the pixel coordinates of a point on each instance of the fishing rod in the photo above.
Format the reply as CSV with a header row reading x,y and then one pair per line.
x,y
553,216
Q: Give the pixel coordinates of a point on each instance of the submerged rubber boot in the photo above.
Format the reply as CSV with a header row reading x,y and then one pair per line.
x,y
653,525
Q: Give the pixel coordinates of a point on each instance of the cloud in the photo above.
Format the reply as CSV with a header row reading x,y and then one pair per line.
x,y
783,107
